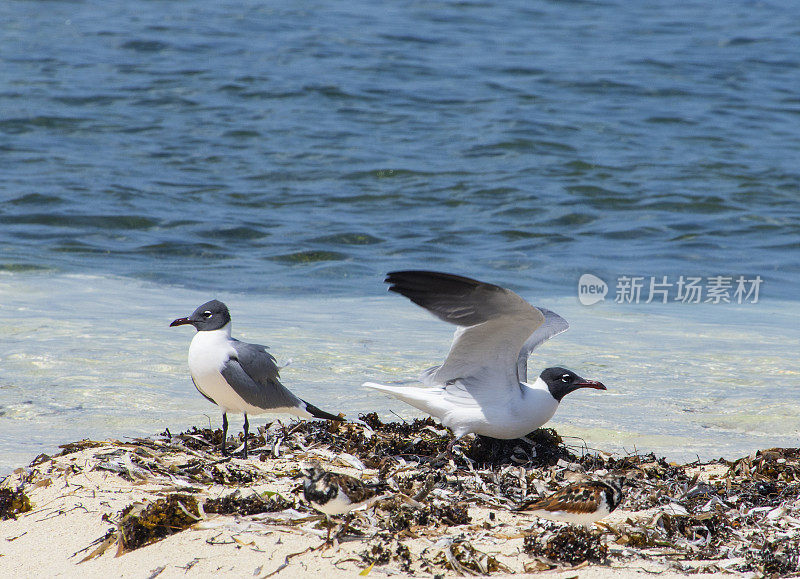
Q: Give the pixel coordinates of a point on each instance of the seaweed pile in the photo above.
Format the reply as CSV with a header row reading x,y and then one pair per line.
x,y
142,524
457,515
742,516
568,545
13,502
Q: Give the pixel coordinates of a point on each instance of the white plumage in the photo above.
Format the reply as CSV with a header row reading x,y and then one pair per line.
x,y
481,387
510,415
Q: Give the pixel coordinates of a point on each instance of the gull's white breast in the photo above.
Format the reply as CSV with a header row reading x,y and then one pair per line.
x,y
208,354
529,408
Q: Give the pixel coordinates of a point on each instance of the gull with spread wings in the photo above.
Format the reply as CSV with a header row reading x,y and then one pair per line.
x,y
482,385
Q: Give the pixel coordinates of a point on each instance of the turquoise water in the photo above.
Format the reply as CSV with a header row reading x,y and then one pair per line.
x,y
285,158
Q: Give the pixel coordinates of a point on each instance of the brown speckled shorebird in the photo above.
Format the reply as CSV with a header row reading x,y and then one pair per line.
x,y
580,503
334,494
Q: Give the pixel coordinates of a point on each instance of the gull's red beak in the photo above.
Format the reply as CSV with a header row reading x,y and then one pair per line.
x,y
585,384
180,322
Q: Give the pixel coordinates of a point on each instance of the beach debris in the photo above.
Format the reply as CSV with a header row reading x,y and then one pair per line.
x,y
72,447
386,551
287,562
461,556
740,516
104,543
777,558
542,447
13,502
254,504
570,544
145,523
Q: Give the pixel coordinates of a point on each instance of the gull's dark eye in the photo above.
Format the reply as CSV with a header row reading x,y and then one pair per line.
x,y
207,314
566,378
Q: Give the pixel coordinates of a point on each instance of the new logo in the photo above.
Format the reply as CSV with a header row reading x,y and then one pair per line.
x,y
591,289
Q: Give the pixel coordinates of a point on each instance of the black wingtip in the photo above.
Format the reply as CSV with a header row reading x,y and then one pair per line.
x,y
422,286
417,279
317,413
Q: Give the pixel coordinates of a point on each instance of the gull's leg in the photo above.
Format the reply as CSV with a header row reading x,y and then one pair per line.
x,y
224,433
246,432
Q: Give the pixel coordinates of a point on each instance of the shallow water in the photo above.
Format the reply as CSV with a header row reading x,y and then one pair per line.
x,y
88,356
284,158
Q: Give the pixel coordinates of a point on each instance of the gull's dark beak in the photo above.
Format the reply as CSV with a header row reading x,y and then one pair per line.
x,y
180,322
582,384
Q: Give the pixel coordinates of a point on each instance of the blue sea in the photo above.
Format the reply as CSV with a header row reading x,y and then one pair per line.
x,y
283,157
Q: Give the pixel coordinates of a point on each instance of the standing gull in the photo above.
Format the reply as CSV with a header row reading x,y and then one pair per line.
x,y
237,376
481,387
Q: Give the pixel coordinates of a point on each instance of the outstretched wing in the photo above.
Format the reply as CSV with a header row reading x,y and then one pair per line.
x,y
253,374
494,324
553,325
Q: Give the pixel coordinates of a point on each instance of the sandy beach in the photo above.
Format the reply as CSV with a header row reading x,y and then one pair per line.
x,y
90,507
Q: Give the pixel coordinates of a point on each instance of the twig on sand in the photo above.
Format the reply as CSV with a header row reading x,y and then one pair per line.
x,y
286,562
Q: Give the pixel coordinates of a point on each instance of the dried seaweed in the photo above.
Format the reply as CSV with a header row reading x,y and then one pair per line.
x,y
201,438
400,518
731,516
144,524
569,544
251,505
541,448
451,514
388,551
462,557
13,503
417,439
72,447
776,558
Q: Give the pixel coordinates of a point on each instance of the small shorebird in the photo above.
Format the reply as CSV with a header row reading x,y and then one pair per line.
x,y
481,387
334,494
580,503
237,376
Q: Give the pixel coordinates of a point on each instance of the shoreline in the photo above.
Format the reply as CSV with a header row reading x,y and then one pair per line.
x,y
100,508
54,393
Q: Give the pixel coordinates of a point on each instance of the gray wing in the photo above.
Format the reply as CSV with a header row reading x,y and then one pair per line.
x,y
493,325
553,325
253,374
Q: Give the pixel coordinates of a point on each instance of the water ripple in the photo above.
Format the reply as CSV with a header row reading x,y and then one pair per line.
x,y
142,143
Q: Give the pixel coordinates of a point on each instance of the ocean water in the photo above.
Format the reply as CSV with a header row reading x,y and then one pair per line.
x,y
284,158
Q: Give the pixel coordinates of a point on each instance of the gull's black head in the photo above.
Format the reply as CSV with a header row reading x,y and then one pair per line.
x,y
561,382
211,315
